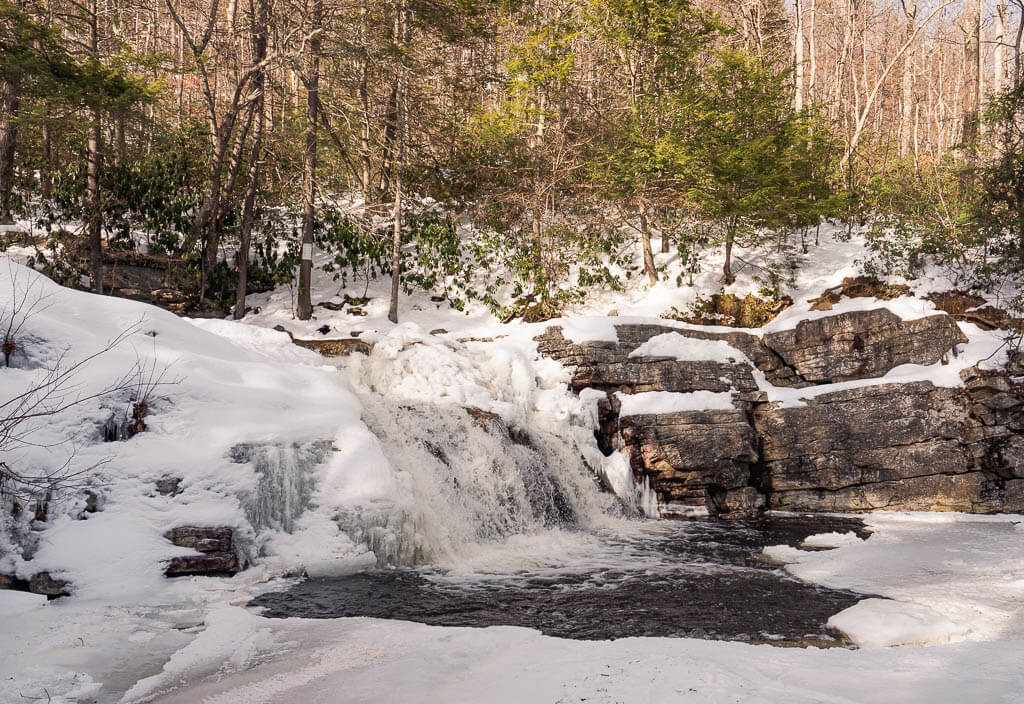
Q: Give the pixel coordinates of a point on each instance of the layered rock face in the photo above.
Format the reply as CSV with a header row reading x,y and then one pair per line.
x,y
899,446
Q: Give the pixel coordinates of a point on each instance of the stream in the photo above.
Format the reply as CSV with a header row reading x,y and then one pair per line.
x,y
697,579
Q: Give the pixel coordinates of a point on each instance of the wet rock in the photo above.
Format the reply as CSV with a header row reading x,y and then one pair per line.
x,y
46,584
695,458
215,545
863,344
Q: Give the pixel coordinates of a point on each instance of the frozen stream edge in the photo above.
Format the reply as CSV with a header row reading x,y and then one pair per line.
x,y
964,569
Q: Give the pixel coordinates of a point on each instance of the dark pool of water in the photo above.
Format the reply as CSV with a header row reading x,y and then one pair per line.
x,y
702,579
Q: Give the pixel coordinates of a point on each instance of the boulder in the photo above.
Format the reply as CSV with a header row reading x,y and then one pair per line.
x,y
336,348
46,584
168,486
215,545
694,458
608,366
863,344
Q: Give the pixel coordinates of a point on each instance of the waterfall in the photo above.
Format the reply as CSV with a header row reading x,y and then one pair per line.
x,y
286,480
459,448
474,479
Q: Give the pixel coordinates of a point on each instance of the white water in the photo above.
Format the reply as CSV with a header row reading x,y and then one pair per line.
x,y
285,481
433,479
466,480
474,481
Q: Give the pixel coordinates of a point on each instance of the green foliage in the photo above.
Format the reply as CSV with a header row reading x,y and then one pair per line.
x,y
32,53
999,208
745,152
153,192
924,211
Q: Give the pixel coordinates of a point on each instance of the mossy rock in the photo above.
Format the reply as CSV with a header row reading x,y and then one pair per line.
x,y
730,310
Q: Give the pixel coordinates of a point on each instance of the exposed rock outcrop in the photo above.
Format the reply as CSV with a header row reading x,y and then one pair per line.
x,y
215,547
863,344
695,458
904,446
607,365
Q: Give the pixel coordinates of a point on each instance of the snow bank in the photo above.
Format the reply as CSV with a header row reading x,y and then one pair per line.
x,y
240,385
364,660
881,623
946,577
654,402
688,349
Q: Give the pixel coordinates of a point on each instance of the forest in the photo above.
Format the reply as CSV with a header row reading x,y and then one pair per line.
x,y
512,153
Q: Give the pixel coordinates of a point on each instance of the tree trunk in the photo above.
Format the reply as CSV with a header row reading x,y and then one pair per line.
x,y
46,171
94,208
798,58
365,171
253,175
305,305
235,167
245,231
401,39
973,71
907,106
9,107
730,237
645,238
390,123
812,67
999,54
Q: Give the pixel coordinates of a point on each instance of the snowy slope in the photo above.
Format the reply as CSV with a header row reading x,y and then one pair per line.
x,y
952,585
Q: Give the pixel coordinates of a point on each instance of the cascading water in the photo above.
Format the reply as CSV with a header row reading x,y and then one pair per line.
x,y
473,480
477,464
486,443
285,480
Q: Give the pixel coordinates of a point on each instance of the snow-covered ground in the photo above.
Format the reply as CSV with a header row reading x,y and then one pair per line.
x,y
952,584
954,580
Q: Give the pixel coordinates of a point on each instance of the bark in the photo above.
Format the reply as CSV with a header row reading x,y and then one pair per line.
x,y
9,107
93,205
401,39
973,80
253,174
907,111
999,54
45,173
730,237
365,177
305,305
798,58
813,55
235,165
727,276
390,123
94,208
245,231
645,237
